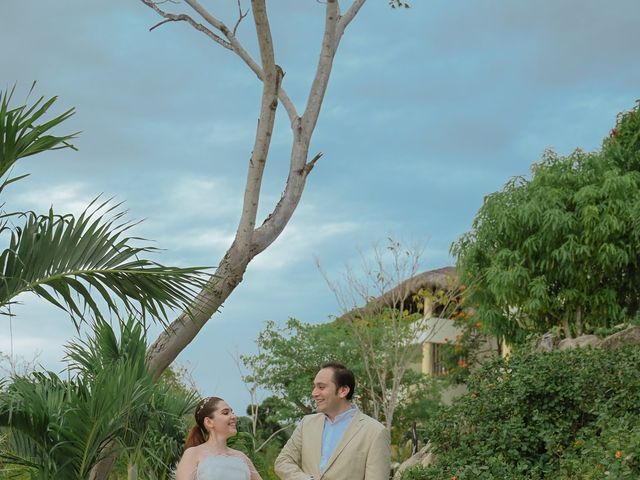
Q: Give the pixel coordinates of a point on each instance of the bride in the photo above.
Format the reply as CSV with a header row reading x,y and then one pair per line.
x,y
206,455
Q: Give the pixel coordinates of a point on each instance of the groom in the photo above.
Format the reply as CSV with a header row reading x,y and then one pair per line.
x,y
339,442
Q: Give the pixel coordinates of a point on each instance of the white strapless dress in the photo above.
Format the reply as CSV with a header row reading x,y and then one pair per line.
x,y
222,467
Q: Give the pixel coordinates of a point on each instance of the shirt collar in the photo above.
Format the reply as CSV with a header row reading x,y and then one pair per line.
x,y
347,414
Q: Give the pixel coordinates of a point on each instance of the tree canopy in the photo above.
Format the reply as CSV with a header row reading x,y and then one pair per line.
x,y
560,249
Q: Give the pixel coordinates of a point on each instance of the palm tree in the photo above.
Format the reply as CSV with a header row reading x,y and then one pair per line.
x,y
60,429
154,437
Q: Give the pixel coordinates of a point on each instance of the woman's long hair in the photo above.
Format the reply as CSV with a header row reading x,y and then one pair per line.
x,y
198,433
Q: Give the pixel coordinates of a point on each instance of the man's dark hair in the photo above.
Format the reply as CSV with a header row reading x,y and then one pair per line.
x,y
342,377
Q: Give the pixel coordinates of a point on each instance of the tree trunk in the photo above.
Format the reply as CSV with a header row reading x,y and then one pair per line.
x,y
184,329
100,470
414,438
579,329
132,471
566,328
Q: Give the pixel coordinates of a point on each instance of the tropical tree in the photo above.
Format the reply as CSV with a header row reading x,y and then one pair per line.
x,y
160,429
154,437
561,249
84,265
58,427
252,237
61,428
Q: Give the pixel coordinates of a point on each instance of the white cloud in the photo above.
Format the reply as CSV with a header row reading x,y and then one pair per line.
x,y
24,344
299,239
206,239
35,335
204,197
65,198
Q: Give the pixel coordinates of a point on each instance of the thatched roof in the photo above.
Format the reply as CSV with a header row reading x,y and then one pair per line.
x,y
444,278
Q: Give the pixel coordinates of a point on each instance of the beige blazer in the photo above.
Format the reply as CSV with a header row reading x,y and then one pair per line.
x,y
362,454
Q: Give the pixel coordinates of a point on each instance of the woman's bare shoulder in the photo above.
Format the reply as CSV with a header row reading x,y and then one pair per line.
x,y
193,452
237,453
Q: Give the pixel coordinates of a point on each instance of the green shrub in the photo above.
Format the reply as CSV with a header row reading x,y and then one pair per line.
x,y
559,415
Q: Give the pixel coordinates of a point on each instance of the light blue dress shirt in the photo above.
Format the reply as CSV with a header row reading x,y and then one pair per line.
x,y
333,432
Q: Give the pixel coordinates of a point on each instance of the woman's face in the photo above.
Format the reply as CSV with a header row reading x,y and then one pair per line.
x,y
223,421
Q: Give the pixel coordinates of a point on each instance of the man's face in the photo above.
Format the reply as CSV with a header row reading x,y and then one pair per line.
x,y
329,399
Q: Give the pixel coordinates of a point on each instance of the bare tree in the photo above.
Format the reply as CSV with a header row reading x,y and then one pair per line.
x,y
250,239
384,303
253,411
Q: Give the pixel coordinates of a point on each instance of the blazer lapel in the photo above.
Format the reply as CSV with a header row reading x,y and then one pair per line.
x,y
353,428
315,448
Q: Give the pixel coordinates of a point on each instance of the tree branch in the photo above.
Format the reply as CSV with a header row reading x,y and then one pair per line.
x,y
271,84
237,47
309,165
345,19
302,131
171,17
241,17
231,43
282,429
323,70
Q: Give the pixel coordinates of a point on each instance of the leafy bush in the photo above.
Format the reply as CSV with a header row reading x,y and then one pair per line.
x,y
559,415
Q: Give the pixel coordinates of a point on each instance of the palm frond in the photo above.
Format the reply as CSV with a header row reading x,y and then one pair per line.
x,y
116,396
160,444
29,407
21,135
76,262
101,350
59,428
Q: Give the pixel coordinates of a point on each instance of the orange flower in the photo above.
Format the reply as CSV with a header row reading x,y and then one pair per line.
x,y
618,454
491,385
454,477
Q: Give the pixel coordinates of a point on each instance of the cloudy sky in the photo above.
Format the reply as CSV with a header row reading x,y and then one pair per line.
x,y
428,110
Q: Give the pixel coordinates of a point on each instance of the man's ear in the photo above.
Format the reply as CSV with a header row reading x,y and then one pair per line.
x,y
343,391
